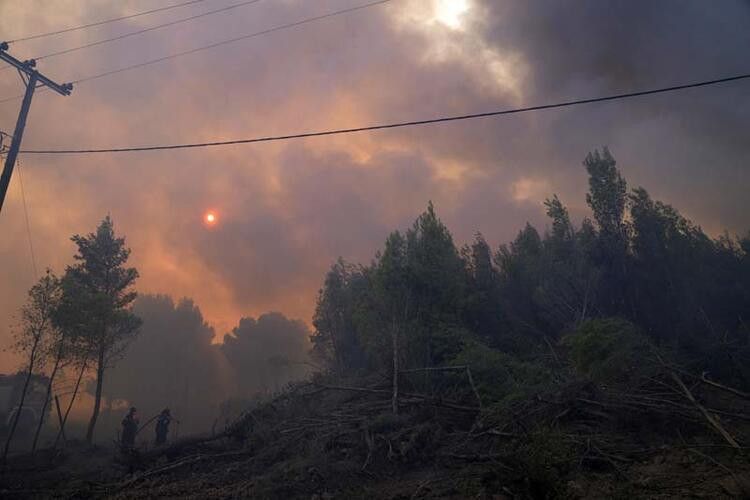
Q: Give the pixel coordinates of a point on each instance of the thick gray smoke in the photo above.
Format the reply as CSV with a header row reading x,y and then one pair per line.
x,y
174,363
287,210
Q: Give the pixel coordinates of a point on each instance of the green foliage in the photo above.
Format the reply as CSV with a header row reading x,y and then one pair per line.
x,y
414,290
636,259
97,295
502,379
608,200
435,274
543,462
336,342
480,302
35,336
607,195
36,330
608,349
96,300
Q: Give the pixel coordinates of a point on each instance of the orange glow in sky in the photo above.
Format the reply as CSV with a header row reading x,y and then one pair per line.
x,y
210,218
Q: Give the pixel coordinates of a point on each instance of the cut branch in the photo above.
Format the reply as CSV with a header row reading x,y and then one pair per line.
x,y
709,417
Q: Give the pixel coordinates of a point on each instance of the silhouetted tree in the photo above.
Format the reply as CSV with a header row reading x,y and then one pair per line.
x,y
335,340
59,350
436,275
607,198
519,265
254,349
423,303
101,288
482,303
568,279
173,363
34,331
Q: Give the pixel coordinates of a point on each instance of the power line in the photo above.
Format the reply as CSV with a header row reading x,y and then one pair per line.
x,y
140,32
396,124
218,44
106,21
233,40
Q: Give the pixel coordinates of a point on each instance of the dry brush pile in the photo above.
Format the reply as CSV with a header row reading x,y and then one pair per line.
x,y
657,430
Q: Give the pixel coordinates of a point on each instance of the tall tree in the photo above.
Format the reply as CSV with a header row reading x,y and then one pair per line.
x,y
519,265
34,329
335,340
104,294
567,279
482,302
677,267
607,198
436,274
607,194
395,295
72,319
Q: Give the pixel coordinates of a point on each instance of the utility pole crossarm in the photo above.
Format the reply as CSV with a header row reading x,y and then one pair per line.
x,y
32,80
28,66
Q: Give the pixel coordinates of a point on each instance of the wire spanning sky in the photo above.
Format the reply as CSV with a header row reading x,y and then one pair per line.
x,y
285,211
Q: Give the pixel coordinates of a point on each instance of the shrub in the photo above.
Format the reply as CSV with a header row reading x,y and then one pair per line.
x,y
608,350
501,378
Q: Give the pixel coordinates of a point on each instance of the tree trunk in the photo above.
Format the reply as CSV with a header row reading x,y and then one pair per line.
x,y
335,345
32,359
394,401
97,398
59,417
47,399
61,432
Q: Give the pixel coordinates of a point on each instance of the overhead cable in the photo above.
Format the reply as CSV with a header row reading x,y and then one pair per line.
x,y
217,44
384,126
140,32
106,21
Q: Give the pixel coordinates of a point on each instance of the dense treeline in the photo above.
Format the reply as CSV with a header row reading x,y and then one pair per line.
x,y
424,302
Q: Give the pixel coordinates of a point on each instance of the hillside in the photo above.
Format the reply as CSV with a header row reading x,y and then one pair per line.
x,y
662,434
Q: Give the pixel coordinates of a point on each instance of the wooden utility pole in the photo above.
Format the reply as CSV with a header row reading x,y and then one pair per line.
x,y
32,78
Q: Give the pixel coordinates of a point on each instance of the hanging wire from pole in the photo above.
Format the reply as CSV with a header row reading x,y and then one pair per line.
x,y
28,225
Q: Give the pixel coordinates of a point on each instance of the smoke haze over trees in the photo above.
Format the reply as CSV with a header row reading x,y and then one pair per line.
x,y
473,308
425,302
267,353
176,362
171,364
688,148
590,330
638,259
147,351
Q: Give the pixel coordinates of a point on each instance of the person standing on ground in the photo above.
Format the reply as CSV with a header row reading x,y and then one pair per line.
x,y
129,428
162,426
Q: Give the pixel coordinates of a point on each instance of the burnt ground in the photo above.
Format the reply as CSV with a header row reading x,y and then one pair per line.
x,y
319,440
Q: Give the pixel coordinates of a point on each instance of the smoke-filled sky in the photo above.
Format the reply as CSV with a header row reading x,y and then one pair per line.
x,y
287,210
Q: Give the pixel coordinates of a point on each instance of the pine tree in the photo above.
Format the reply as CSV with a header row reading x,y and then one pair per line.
x,y
99,298
607,198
